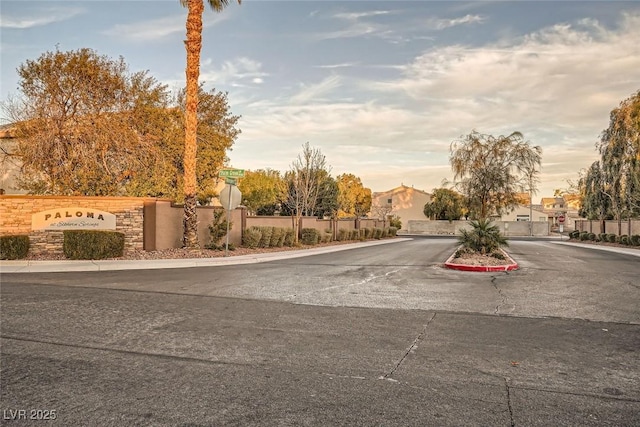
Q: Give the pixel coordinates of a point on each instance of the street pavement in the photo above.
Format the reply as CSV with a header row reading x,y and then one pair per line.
x,y
337,346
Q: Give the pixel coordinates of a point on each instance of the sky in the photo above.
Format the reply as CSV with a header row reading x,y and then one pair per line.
x,y
381,88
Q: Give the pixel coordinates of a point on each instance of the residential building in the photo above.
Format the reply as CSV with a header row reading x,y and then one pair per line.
x,y
405,202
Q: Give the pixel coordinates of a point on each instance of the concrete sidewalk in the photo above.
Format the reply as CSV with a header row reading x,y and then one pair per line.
x,y
21,266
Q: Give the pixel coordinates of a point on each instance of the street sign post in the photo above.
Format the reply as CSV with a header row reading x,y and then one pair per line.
x,y
561,220
231,173
230,198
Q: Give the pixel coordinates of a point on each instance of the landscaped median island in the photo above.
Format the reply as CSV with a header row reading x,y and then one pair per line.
x,y
480,249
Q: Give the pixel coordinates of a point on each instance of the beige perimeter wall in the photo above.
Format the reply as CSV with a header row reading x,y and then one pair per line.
x,y
148,224
507,228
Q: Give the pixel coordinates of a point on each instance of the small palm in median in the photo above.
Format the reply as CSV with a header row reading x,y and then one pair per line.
x,y
484,238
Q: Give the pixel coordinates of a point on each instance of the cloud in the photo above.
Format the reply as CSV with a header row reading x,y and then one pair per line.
x,y
558,75
314,92
238,71
358,15
441,24
150,30
40,18
358,25
158,29
342,65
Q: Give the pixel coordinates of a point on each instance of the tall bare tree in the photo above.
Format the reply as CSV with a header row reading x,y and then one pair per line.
x,y
305,179
194,47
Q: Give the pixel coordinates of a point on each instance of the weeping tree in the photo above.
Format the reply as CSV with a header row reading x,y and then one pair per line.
x,y
620,158
610,188
193,46
490,171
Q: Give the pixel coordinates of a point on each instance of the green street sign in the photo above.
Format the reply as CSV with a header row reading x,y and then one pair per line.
x,y
230,181
231,173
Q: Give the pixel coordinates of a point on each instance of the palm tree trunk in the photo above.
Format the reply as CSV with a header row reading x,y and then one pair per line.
x,y
193,46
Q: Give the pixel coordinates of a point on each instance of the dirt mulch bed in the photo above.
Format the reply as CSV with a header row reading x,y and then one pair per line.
x,y
190,253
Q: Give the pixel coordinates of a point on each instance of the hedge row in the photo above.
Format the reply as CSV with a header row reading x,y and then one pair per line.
x,y
606,237
266,237
14,247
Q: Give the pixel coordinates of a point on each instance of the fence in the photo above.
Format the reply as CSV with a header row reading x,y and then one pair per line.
x,y
625,226
149,224
507,228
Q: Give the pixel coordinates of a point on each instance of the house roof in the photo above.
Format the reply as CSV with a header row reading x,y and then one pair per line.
x,y
401,189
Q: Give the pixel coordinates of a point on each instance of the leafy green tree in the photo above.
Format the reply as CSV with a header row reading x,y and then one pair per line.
x,y
354,200
327,198
193,45
87,126
445,204
484,237
493,170
262,190
84,124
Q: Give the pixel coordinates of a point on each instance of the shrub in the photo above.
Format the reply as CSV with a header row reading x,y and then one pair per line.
x,y
498,255
591,236
575,234
377,233
14,246
265,240
483,238
343,235
584,235
251,237
218,229
624,239
276,235
327,236
393,231
283,236
602,237
635,240
395,222
354,235
368,232
92,244
289,237
462,251
310,236
612,238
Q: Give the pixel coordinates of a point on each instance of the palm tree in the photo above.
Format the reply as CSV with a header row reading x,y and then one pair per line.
x,y
194,47
485,238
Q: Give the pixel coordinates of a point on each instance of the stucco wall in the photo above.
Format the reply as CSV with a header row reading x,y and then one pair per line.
x,y
16,215
508,228
629,227
167,229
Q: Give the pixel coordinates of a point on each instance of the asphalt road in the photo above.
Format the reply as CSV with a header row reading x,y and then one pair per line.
x,y
381,335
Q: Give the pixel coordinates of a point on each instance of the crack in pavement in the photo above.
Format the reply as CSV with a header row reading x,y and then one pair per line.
x,y
502,296
413,345
506,384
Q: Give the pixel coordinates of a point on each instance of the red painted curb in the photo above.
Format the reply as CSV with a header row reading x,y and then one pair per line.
x,y
481,268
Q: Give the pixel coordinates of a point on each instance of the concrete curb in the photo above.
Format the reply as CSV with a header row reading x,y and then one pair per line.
x,y
110,265
481,268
